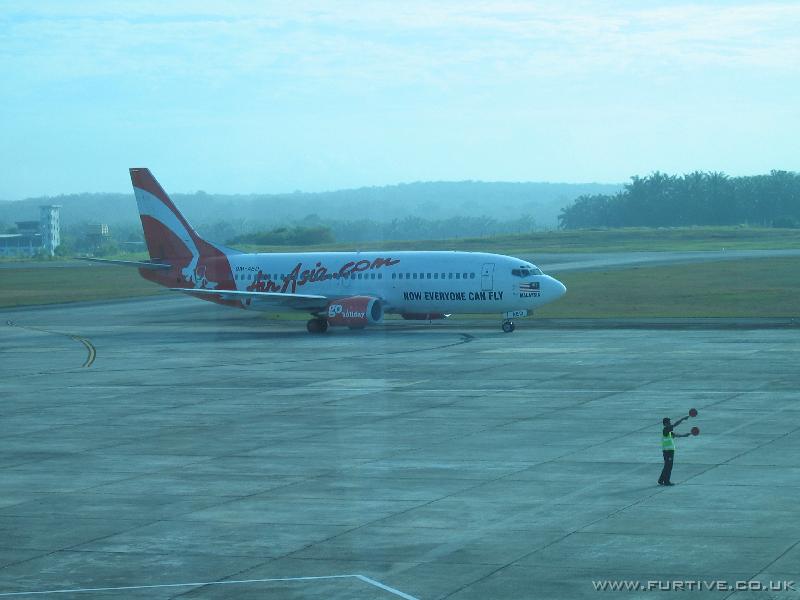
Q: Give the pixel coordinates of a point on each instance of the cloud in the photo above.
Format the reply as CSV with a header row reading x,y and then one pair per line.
x,y
390,43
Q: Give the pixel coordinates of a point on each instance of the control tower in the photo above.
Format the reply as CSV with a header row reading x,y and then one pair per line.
x,y
50,227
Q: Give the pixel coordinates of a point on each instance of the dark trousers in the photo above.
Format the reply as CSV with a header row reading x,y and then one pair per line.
x,y
666,472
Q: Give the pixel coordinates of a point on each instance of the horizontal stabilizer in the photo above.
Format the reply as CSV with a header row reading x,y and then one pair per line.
x,y
145,264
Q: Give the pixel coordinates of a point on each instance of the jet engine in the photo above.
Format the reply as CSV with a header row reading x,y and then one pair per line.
x,y
355,311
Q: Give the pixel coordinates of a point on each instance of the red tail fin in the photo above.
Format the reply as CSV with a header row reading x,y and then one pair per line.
x,y
170,239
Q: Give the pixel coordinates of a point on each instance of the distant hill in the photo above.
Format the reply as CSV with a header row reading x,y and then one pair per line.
x,y
251,212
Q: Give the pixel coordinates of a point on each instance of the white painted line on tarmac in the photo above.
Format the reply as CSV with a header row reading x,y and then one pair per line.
x,y
362,578
382,586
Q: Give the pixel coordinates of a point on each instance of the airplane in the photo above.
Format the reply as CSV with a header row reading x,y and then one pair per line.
x,y
352,289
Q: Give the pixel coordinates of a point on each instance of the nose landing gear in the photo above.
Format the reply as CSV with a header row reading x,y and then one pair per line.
x,y
317,325
508,324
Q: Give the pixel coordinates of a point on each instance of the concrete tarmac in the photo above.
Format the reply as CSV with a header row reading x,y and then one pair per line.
x,y
171,443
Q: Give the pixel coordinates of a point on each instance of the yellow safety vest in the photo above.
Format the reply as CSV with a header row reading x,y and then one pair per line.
x,y
667,442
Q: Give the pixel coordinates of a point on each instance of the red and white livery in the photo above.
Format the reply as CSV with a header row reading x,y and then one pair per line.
x,y
352,289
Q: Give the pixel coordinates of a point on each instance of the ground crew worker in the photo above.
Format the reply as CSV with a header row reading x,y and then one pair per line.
x,y
668,448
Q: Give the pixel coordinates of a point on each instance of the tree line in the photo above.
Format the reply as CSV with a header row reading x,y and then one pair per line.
x,y
698,198
420,228
316,230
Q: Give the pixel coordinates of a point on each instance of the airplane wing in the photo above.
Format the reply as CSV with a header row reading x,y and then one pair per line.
x,y
295,301
128,263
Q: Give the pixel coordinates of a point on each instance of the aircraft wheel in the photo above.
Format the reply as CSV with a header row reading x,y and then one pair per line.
x,y
508,326
317,326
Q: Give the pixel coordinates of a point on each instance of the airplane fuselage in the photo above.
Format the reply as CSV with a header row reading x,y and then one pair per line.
x,y
408,282
352,289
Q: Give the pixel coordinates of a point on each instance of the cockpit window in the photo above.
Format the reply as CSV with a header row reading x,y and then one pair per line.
x,y
526,271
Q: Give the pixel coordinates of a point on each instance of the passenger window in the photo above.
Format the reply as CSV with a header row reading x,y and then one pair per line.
x,y
472,275
449,275
380,275
436,276
458,275
465,275
372,275
429,275
415,275
394,275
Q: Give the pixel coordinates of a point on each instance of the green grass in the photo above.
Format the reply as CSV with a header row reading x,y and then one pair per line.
x,y
764,287
23,287
607,240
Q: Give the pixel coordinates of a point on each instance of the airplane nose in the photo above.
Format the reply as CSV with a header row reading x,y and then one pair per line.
x,y
558,288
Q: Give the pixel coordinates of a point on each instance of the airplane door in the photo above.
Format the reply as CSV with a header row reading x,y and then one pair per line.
x,y
487,277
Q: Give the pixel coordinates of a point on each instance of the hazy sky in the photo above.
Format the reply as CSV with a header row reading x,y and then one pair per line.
x,y
277,96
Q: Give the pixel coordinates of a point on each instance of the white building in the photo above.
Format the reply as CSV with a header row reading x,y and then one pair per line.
x,y
50,228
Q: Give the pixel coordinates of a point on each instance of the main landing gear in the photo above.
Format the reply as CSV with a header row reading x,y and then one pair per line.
x,y
317,325
508,326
